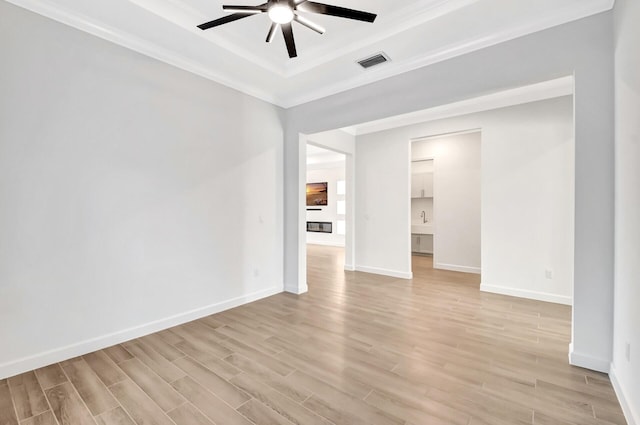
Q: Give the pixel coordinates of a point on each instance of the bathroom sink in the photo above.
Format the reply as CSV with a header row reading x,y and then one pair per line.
x,y
422,229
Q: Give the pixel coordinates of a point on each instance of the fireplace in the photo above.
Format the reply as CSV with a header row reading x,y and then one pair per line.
x,y
319,227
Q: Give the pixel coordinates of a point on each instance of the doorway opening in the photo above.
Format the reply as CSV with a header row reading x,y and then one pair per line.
x,y
524,178
445,201
328,200
422,201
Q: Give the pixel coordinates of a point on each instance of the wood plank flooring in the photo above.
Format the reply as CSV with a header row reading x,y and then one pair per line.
x,y
357,349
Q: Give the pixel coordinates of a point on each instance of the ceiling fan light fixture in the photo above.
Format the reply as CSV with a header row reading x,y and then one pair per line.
x,y
281,13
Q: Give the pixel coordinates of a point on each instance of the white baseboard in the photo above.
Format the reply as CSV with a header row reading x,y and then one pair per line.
x,y
385,272
349,268
298,290
46,358
456,268
588,362
632,416
523,293
326,243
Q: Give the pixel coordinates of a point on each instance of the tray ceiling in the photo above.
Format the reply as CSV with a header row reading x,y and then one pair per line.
x,y
412,33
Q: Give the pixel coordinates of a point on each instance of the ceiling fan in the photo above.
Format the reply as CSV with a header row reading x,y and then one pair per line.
x,y
283,12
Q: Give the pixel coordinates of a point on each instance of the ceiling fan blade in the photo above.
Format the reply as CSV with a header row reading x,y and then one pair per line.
x,y
272,32
224,20
309,24
287,31
341,12
245,9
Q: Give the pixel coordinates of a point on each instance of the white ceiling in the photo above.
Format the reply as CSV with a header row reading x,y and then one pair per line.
x,y
413,33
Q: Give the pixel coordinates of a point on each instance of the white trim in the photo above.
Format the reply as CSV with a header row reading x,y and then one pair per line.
x,y
426,11
384,272
632,416
297,290
402,20
125,39
349,268
586,8
456,268
300,286
588,362
326,243
56,355
145,47
524,293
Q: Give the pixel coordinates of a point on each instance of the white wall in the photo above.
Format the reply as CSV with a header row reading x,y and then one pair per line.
x,y
330,173
456,198
383,203
527,202
626,372
583,49
133,195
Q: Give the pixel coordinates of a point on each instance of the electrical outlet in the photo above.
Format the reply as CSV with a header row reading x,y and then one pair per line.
x,y
548,274
627,352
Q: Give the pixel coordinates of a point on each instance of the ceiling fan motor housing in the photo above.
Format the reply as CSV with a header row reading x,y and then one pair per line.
x,y
283,12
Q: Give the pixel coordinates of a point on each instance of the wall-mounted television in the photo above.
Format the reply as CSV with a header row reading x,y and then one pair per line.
x,y
316,194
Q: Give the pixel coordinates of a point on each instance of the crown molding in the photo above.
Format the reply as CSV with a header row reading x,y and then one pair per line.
x,y
181,15
131,42
399,22
390,69
127,40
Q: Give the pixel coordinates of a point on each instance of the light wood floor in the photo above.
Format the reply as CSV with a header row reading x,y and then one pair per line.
x,y
357,349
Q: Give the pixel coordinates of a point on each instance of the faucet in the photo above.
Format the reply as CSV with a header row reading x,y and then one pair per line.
x,y
424,217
